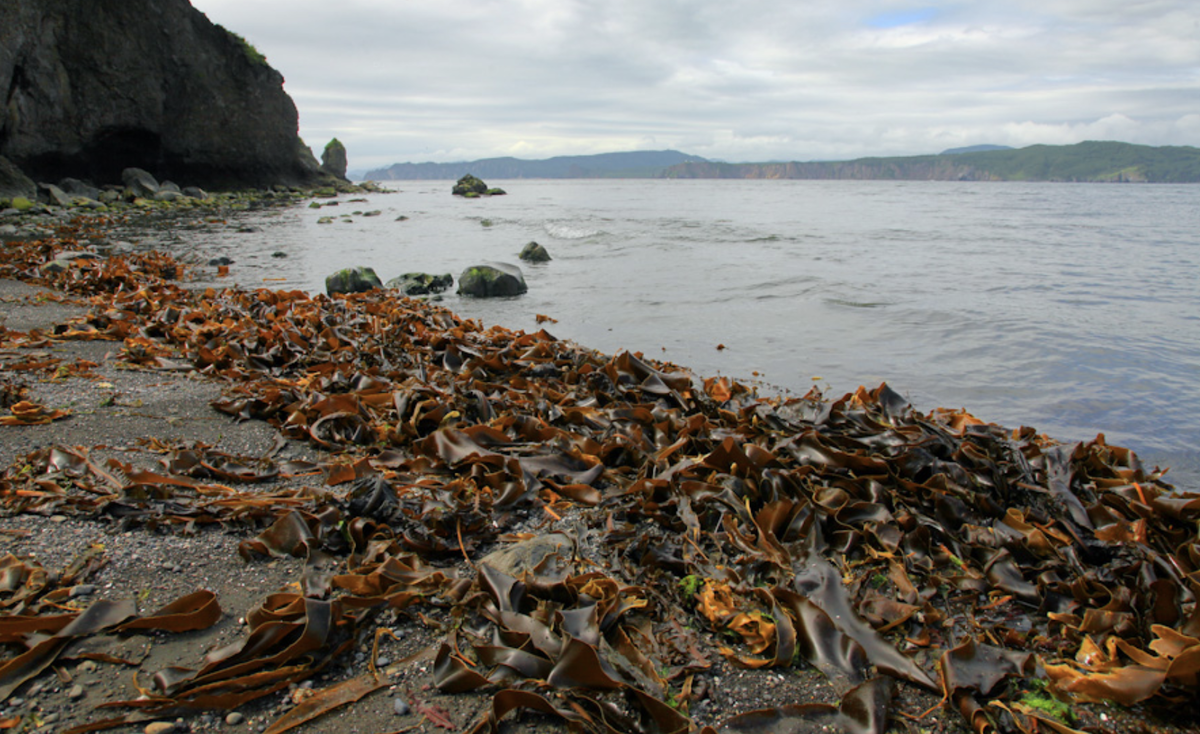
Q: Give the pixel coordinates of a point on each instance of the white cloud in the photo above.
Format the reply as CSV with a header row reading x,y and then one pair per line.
x,y
752,80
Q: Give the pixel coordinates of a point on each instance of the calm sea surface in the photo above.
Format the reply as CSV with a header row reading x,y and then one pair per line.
x,y
1072,308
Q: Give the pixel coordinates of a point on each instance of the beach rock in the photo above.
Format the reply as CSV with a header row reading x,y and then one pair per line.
x,y
219,261
420,284
146,83
468,185
22,204
352,280
195,192
333,159
494,280
77,188
534,253
139,182
51,194
168,196
13,182
170,186
527,555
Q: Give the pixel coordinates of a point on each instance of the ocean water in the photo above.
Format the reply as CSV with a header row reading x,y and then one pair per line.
x,y
1072,308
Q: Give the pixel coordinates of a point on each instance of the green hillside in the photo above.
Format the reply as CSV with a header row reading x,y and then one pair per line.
x,y
1090,161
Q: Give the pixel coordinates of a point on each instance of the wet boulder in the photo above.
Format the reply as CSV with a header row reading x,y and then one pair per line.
x,y
534,253
495,280
140,183
470,187
352,280
420,284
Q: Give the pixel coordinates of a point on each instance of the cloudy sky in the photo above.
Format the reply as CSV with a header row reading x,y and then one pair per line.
x,y
735,80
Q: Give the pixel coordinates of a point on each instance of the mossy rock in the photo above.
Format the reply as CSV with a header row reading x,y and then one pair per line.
x,y
325,192
21,204
421,284
496,192
468,185
534,253
496,280
352,280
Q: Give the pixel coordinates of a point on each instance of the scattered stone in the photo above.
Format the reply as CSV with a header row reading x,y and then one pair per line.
x,y
352,280
234,718
195,192
88,666
374,213
420,284
79,590
492,281
278,254
248,229
75,692
534,253
159,727
402,218
170,186
400,706
528,555
314,205
219,261
325,220
168,196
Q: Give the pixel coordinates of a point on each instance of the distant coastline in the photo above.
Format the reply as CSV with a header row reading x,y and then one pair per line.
x,y
1087,162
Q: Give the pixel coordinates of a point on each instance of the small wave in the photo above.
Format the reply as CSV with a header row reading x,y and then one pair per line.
x,y
856,304
562,231
768,238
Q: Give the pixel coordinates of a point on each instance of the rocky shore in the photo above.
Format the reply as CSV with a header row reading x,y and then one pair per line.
x,y
265,511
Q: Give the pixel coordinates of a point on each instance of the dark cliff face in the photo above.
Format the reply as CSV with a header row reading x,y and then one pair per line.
x,y
94,86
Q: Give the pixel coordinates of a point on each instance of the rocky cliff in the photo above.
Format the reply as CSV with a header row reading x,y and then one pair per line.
x,y
92,87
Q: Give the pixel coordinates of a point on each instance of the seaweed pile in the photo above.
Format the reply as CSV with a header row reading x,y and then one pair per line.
x,y
880,545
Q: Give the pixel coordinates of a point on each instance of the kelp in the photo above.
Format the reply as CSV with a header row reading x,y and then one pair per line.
x,y
877,544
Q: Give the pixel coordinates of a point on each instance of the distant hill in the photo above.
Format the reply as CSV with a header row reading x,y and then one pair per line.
x,y
635,164
1088,161
975,149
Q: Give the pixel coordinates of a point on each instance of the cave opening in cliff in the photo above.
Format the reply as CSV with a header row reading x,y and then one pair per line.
x,y
115,149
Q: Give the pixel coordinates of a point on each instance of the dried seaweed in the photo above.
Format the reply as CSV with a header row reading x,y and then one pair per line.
x,y
856,535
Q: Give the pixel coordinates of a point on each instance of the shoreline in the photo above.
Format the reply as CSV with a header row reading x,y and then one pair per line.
x,y
421,443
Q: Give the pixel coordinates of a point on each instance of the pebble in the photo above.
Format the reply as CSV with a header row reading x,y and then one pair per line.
x,y
400,706
159,727
383,662
82,590
76,691
88,666
234,718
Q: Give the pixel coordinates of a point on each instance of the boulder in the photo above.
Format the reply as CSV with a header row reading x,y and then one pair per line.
x,y
468,185
493,280
90,89
195,192
333,160
77,188
352,280
140,183
13,182
420,284
534,253
51,194
170,186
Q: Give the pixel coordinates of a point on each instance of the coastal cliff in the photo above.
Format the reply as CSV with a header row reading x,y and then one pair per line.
x,y
93,88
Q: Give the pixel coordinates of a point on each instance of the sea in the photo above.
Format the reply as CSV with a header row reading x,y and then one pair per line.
x,y
1070,308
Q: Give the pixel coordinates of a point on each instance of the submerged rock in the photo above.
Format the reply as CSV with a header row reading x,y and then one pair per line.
x,y
352,280
534,253
496,280
420,284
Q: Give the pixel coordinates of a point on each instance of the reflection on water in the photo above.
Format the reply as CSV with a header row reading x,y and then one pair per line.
x,y
1071,308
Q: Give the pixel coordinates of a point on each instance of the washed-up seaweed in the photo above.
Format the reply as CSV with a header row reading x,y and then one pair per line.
x,y
877,544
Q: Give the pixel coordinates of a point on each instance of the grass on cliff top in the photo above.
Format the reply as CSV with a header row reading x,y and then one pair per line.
x,y
252,53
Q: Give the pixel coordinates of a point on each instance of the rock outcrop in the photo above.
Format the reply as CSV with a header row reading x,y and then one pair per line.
x,y
13,182
333,160
93,88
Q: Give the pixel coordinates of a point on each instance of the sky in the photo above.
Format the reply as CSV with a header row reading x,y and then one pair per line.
x,y
733,80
